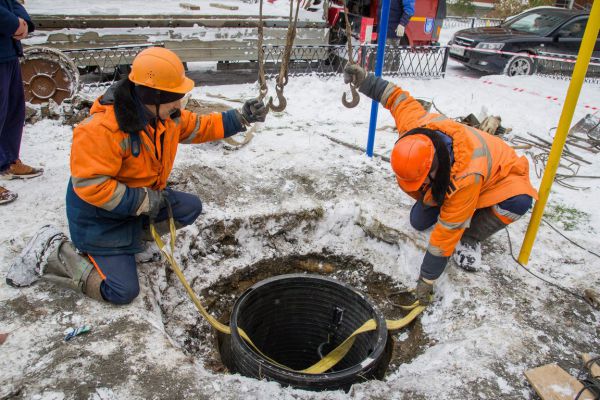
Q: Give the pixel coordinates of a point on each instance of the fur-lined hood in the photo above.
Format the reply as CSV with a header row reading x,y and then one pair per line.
x,y
130,114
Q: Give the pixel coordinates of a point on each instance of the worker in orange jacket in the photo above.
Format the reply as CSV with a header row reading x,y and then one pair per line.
x,y
121,158
467,183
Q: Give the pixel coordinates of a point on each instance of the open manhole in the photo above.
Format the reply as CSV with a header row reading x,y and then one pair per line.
x,y
349,274
295,321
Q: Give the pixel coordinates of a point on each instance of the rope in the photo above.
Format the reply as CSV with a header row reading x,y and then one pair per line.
x,y
282,78
262,81
348,34
326,363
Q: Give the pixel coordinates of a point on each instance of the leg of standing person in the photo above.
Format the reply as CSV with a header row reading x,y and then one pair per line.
x,y
12,121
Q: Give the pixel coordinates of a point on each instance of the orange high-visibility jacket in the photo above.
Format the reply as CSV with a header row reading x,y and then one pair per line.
x,y
485,172
102,165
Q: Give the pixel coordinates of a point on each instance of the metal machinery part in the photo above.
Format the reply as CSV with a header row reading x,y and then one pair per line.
x,y
48,74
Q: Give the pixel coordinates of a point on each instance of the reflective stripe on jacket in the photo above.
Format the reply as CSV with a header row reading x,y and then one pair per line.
x,y
108,178
485,172
103,167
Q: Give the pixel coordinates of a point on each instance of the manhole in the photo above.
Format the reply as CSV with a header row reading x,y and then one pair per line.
x,y
186,326
295,320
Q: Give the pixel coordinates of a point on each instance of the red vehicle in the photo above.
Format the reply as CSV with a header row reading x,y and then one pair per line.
x,y
422,30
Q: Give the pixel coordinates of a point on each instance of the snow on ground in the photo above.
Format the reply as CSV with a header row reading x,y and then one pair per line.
x,y
485,329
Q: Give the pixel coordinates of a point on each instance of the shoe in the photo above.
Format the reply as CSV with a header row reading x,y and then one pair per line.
x,y
18,170
467,255
150,253
28,266
6,196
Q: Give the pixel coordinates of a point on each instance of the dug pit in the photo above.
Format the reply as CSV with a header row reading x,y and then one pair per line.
x,y
386,295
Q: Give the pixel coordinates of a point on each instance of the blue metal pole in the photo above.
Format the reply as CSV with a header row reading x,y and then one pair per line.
x,y
381,38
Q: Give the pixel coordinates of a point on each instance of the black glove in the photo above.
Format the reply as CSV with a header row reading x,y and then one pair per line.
x,y
424,291
157,200
254,110
354,73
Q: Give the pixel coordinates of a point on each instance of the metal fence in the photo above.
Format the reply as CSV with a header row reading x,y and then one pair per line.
x,y
329,60
470,22
101,67
561,66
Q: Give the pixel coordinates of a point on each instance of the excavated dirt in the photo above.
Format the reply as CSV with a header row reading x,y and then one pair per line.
x,y
385,294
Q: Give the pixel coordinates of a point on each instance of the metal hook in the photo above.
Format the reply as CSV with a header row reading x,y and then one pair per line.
x,y
282,100
355,97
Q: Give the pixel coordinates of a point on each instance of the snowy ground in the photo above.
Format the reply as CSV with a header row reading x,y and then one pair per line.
x,y
484,330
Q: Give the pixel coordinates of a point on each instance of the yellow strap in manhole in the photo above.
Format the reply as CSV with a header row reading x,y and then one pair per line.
x,y
327,362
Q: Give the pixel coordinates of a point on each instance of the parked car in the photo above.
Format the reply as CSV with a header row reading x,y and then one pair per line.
x,y
541,29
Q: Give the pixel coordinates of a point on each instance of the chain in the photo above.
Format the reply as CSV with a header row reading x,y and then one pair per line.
x,y
355,96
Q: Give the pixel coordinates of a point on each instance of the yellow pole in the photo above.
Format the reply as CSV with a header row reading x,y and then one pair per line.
x,y
581,65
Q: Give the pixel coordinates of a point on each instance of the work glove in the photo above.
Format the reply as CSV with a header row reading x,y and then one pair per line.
x,y
253,110
490,124
368,84
400,30
424,291
354,73
152,203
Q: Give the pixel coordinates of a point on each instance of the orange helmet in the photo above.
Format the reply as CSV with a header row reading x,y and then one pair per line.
x,y
411,161
161,69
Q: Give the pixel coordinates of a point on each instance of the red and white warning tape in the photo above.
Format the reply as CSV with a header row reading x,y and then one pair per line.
x,y
553,99
561,58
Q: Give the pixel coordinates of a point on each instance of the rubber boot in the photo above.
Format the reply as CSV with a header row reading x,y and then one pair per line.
x,y
67,268
26,268
484,224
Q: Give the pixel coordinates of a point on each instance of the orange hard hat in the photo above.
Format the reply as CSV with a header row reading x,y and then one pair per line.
x,y
411,161
161,69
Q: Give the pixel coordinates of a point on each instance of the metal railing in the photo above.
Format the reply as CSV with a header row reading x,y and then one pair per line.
x,y
561,66
470,22
329,60
101,67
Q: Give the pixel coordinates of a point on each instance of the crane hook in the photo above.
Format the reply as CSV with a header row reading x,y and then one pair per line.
x,y
355,97
282,100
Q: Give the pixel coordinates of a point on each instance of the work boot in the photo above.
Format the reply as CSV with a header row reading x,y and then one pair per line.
x,y
51,256
27,267
18,170
484,224
67,268
6,196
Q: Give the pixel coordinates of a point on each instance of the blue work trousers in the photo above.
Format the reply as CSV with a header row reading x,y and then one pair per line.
x,y
121,285
423,217
12,112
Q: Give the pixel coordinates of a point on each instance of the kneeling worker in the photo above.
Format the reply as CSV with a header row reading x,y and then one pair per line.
x,y
121,158
467,184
